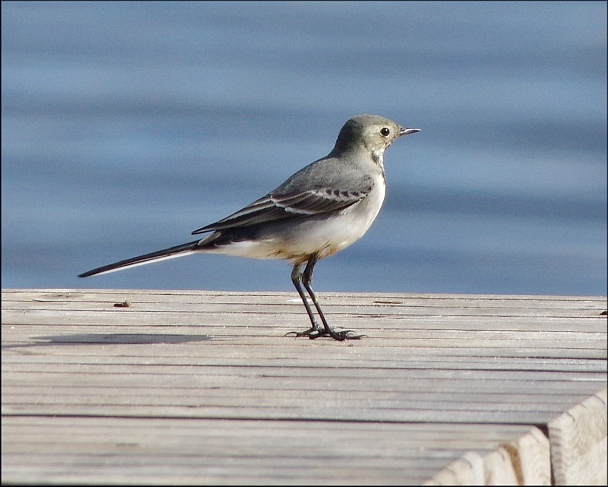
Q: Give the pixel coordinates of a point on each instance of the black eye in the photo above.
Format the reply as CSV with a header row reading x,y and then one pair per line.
x,y
385,132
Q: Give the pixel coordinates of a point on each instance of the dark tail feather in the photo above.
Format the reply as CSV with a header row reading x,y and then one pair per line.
x,y
177,251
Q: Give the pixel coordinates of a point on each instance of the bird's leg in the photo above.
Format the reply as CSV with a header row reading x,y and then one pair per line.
x,y
315,330
307,281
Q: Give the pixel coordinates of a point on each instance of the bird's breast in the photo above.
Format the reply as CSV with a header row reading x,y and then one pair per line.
x,y
343,229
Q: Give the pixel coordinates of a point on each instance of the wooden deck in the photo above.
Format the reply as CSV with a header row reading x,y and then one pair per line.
x,y
204,388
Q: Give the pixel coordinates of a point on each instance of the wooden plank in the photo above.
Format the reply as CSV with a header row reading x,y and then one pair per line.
x,y
525,461
578,443
203,387
369,303
468,470
234,356
530,458
120,450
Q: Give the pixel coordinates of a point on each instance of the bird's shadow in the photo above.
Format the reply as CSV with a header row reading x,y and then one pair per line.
x,y
109,339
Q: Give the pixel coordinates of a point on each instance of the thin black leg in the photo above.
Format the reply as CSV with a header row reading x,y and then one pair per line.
x,y
315,330
307,281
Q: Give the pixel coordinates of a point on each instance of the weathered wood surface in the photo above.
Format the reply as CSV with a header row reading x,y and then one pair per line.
x,y
578,439
203,387
525,461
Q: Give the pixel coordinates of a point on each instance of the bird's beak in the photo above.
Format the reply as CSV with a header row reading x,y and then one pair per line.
x,y
404,131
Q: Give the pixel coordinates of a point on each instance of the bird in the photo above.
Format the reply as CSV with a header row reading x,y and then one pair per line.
x,y
318,211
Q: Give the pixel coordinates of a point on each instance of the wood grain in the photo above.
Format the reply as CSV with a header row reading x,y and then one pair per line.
x,y
578,443
195,387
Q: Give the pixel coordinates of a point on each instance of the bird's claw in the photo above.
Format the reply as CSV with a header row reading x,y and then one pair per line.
x,y
346,335
313,333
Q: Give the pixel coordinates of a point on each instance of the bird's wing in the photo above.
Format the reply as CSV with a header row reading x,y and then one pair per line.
x,y
289,205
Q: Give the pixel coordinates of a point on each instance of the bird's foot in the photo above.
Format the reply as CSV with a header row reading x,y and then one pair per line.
x,y
313,333
345,335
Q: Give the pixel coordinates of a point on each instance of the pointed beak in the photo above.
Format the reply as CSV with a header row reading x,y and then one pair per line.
x,y
404,131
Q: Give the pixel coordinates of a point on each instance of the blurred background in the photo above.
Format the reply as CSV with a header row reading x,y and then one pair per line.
x,y
126,125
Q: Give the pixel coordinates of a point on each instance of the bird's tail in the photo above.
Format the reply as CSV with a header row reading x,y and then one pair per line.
x,y
170,253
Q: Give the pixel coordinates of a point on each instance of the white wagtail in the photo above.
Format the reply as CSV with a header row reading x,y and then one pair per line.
x,y
320,210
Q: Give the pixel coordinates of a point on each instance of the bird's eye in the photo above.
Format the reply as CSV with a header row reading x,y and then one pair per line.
x,y
385,132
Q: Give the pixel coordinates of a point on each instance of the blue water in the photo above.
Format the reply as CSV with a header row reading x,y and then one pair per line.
x,y
125,126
